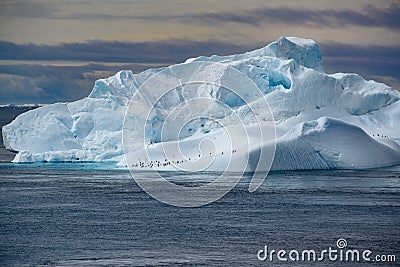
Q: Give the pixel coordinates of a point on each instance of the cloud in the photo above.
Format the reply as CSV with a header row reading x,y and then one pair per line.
x,y
15,87
48,84
109,51
30,83
370,60
367,60
368,16
380,63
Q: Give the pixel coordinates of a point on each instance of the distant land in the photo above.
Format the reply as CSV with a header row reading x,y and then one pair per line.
x,y
22,105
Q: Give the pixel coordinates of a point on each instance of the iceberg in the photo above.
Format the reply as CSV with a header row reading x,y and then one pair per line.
x,y
322,121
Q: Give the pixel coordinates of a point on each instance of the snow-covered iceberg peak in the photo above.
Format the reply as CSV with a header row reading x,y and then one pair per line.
x,y
316,114
304,51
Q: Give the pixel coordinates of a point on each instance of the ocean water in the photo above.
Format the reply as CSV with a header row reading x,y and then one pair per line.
x,y
96,215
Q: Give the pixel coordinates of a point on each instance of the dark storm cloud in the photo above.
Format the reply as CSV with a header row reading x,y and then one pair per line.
x,y
366,60
369,16
337,56
29,83
108,51
48,84
380,63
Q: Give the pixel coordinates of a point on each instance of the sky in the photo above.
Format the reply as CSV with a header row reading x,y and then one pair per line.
x,y
53,51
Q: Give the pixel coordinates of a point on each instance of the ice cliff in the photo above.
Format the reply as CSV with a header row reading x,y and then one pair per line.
x,y
323,121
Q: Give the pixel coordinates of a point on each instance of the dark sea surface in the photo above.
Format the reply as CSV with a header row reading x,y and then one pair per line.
x,y
93,215
96,215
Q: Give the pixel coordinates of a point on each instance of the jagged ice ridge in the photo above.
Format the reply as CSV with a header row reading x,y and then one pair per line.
x,y
323,121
